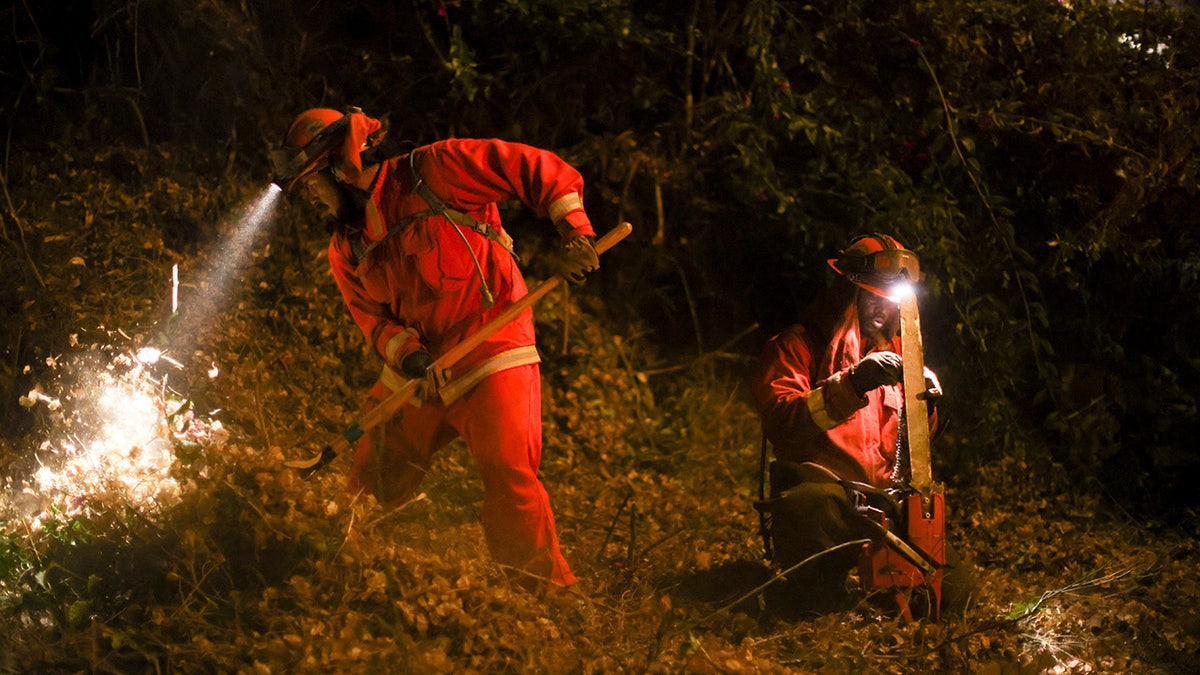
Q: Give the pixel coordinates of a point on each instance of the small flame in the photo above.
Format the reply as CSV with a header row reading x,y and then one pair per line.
x,y
149,355
114,441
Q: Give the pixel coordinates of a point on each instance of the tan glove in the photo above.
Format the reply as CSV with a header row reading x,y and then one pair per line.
x,y
578,258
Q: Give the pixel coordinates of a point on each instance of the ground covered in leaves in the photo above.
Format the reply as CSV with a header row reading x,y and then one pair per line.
x,y
192,549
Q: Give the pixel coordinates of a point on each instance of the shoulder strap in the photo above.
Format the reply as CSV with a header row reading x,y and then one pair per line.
x,y
361,248
457,217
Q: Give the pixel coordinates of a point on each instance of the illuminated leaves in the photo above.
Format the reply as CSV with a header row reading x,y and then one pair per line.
x,y
821,123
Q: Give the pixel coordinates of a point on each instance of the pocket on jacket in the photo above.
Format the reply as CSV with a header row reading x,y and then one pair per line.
x,y
442,259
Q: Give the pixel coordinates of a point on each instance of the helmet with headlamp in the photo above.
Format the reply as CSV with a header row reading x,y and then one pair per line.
x,y
877,263
313,137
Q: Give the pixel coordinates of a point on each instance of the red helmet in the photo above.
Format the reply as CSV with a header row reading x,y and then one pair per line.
x,y
307,144
876,262
318,132
308,124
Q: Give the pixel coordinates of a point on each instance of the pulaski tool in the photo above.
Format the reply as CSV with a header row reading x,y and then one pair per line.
x,y
392,404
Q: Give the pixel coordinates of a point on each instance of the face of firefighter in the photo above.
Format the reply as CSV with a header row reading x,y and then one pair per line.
x,y
875,315
323,191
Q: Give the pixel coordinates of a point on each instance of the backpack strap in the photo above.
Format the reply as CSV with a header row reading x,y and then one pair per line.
x,y
438,205
361,248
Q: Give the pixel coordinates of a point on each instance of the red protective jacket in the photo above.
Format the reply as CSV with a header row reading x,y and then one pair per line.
x,y
418,286
411,282
809,411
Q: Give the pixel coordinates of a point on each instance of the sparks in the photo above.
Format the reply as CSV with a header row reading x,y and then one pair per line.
x,y
113,440
149,355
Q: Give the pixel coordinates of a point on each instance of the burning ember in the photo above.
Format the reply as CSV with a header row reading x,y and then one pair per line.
x,y
113,437
118,431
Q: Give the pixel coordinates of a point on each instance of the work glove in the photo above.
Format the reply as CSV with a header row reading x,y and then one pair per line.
x,y
418,366
875,370
578,258
415,364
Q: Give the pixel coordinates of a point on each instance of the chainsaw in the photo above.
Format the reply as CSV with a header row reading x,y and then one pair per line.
x,y
389,406
910,563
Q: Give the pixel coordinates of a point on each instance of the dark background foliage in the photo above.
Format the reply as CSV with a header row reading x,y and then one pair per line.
x,y
1039,156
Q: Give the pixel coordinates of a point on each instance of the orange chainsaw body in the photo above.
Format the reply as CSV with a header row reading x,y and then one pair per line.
x,y
882,567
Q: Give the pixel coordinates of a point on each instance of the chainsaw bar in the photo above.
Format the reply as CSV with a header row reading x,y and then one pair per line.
x,y
915,411
916,559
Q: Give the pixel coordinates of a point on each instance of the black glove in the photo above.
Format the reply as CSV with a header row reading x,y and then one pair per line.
x,y
415,364
875,370
578,258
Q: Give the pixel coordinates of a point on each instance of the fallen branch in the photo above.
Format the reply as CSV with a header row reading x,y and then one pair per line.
x,y
12,213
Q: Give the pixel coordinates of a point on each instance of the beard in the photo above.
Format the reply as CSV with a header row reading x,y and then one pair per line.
x,y
351,210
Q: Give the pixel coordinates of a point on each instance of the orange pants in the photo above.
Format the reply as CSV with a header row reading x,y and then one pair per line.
x,y
501,422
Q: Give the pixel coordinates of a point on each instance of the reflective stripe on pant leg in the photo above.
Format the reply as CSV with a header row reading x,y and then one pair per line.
x,y
501,421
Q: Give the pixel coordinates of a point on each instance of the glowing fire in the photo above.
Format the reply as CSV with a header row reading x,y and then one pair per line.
x,y
116,438
118,432
128,453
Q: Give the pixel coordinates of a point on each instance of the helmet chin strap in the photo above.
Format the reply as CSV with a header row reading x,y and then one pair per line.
x,y
352,200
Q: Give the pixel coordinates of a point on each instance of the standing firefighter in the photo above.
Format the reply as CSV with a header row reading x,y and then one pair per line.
x,y
422,262
829,395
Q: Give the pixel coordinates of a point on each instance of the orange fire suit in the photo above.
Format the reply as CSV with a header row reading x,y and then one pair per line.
x,y
411,279
809,411
817,424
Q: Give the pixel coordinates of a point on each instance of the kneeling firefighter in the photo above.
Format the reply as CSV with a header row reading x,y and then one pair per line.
x,y
830,396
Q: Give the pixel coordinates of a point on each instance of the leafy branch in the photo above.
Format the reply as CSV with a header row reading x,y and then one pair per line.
x,y
1004,234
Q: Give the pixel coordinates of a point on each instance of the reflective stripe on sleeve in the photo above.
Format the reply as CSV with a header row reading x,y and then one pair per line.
x,y
394,344
559,208
816,408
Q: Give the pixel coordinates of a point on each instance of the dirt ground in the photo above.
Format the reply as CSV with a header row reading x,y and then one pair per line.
x,y
651,462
